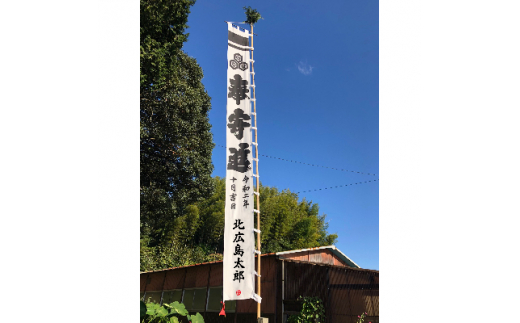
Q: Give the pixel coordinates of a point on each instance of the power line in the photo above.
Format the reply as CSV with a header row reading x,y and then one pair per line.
x,y
299,162
337,186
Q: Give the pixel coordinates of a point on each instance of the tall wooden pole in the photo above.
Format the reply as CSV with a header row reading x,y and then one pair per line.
x,y
258,241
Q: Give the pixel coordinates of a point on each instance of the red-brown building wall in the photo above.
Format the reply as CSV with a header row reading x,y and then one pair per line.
x,y
347,291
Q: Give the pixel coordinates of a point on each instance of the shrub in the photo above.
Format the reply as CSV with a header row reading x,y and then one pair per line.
x,y
167,313
361,318
312,311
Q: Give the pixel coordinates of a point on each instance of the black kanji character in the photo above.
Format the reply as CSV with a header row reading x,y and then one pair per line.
x,y
246,203
238,89
233,187
237,124
246,196
238,263
232,197
233,205
238,224
238,251
233,179
238,237
239,275
245,179
238,160
245,188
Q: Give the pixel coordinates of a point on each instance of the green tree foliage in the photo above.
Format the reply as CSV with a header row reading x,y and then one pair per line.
x,y
211,230
289,224
176,143
197,236
286,223
175,255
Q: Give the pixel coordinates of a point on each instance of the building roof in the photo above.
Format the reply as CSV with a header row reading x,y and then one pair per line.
x,y
333,249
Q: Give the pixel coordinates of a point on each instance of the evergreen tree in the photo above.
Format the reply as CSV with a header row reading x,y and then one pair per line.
x,y
176,143
198,235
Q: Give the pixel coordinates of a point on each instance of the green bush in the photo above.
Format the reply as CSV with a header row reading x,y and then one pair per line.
x,y
167,313
361,318
312,311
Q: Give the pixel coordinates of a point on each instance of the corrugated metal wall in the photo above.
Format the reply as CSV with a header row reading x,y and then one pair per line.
x,y
174,279
346,292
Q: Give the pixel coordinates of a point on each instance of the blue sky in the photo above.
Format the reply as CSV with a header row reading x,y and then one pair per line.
x,y
317,77
449,162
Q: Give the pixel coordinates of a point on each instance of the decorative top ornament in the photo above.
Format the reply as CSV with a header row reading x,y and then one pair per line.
x,y
252,15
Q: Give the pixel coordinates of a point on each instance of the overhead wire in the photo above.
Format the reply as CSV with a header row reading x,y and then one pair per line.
x,y
315,165
337,186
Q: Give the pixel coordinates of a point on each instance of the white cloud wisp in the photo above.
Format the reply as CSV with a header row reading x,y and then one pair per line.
x,y
304,68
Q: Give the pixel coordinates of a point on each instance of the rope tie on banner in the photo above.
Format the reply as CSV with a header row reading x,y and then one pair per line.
x,y
256,211
256,193
253,113
257,273
252,99
254,175
256,230
257,298
257,252
253,128
255,159
255,143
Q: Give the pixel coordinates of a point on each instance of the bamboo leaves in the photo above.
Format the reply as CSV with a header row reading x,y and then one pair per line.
x,y
252,15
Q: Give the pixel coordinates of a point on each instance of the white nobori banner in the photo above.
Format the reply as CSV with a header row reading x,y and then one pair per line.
x,y
239,257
